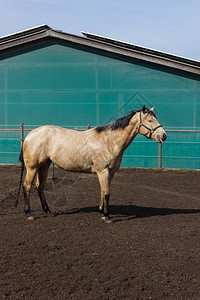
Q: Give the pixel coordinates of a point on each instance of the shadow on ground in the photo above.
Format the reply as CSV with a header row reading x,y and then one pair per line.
x,y
128,212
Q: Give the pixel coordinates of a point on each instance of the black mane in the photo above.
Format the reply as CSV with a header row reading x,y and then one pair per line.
x,y
122,122
117,124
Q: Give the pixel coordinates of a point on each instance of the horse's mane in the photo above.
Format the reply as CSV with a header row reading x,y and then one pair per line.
x,y
122,122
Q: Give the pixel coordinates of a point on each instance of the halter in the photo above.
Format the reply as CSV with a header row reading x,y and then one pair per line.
x,y
150,131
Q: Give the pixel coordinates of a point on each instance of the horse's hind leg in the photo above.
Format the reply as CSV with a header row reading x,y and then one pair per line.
x,y
40,183
30,175
104,180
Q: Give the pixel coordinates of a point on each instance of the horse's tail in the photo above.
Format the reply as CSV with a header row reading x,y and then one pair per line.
x,y
21,158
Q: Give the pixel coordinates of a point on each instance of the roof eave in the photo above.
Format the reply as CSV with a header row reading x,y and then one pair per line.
x,y
24,37
135,53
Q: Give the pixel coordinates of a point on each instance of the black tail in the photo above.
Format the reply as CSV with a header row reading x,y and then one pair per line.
x,y
21,178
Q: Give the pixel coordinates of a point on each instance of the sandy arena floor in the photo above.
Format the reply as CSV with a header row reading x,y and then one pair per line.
x,y
151,251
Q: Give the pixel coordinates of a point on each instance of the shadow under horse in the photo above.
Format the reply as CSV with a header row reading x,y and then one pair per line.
x,y
129,212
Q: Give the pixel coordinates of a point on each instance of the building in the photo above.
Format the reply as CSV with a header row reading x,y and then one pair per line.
x,y
51,77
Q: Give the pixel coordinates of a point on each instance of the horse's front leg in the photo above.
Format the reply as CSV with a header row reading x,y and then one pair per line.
x,y
104,180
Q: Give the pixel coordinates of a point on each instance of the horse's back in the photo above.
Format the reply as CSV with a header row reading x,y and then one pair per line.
x,y
44,132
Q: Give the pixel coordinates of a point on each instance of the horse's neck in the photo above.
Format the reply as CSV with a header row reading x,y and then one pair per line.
x,y
130,133
118,140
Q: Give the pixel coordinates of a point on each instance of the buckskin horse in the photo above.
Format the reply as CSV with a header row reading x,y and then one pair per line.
x,y
98,150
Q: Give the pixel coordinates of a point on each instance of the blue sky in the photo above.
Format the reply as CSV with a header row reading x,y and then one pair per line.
x,y
165,25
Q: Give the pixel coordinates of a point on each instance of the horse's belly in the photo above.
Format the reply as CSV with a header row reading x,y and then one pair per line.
x,y
79,155
73,162
67,166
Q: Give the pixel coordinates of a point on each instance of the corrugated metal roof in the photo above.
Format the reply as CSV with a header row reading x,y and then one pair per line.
x,y
103,44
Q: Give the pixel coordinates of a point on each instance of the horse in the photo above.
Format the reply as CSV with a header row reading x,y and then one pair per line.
x,y
97,150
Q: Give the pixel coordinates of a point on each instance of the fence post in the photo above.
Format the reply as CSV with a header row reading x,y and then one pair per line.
x,y
22,133
160,155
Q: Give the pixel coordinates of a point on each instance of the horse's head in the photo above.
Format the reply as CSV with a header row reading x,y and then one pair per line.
x,y
149,125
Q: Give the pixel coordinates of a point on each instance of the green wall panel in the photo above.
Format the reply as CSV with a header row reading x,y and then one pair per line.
x,y
53,83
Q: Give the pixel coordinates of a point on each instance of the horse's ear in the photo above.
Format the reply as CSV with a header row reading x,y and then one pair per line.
x,y
152,108
144,109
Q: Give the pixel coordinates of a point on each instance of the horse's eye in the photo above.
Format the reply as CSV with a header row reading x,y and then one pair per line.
x,y
150,121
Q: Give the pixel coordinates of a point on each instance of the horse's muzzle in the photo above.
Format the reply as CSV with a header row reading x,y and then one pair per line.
x,y
164,137
160,139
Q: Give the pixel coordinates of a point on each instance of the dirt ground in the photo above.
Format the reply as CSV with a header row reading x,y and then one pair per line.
x,y
151,251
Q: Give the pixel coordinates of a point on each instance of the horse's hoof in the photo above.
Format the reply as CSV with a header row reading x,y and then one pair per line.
x,y
108,221
103,218
31,218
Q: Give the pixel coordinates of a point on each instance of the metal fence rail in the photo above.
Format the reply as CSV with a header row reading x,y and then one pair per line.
x,y
22,130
